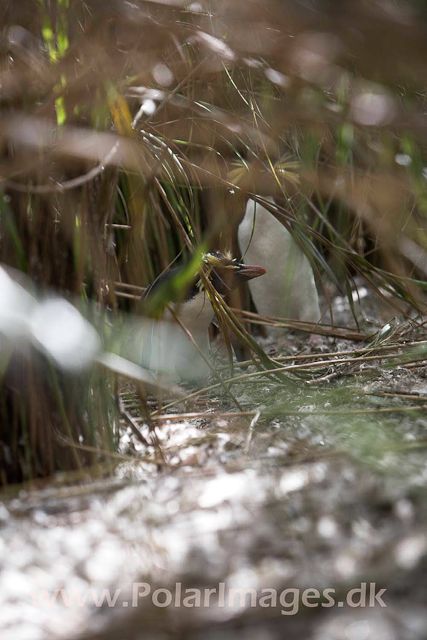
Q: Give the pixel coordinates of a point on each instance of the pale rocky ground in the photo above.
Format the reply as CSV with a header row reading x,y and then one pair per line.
x,y
313,502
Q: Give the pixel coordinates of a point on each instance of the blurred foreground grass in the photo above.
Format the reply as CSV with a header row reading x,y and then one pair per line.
x,y
133,133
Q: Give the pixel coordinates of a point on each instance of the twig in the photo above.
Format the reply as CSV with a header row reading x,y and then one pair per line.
x,y
325,354
342,412
177,417
403,396
131,422
307,327
131,296
251,431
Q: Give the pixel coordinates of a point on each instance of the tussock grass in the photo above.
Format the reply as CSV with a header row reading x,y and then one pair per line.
x,y
133,133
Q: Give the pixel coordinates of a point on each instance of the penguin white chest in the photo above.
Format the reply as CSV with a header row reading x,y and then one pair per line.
x,y
172,352
195,314
288,288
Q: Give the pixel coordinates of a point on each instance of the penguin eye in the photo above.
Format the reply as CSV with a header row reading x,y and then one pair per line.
x,y
211,259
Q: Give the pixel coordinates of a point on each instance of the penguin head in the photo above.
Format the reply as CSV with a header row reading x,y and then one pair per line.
x,y
226,273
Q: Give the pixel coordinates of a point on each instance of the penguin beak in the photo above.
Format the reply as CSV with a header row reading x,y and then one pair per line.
x,y
250,271
227,274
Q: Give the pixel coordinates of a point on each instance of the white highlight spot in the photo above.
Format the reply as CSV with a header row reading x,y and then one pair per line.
x,y
195,7
163,75
294,480
403,159
216,45
276,77
148,107
409,551
373,108
327,527
223,488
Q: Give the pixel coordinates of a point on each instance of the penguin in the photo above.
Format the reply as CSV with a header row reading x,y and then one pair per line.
x,y
178,296
288,290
